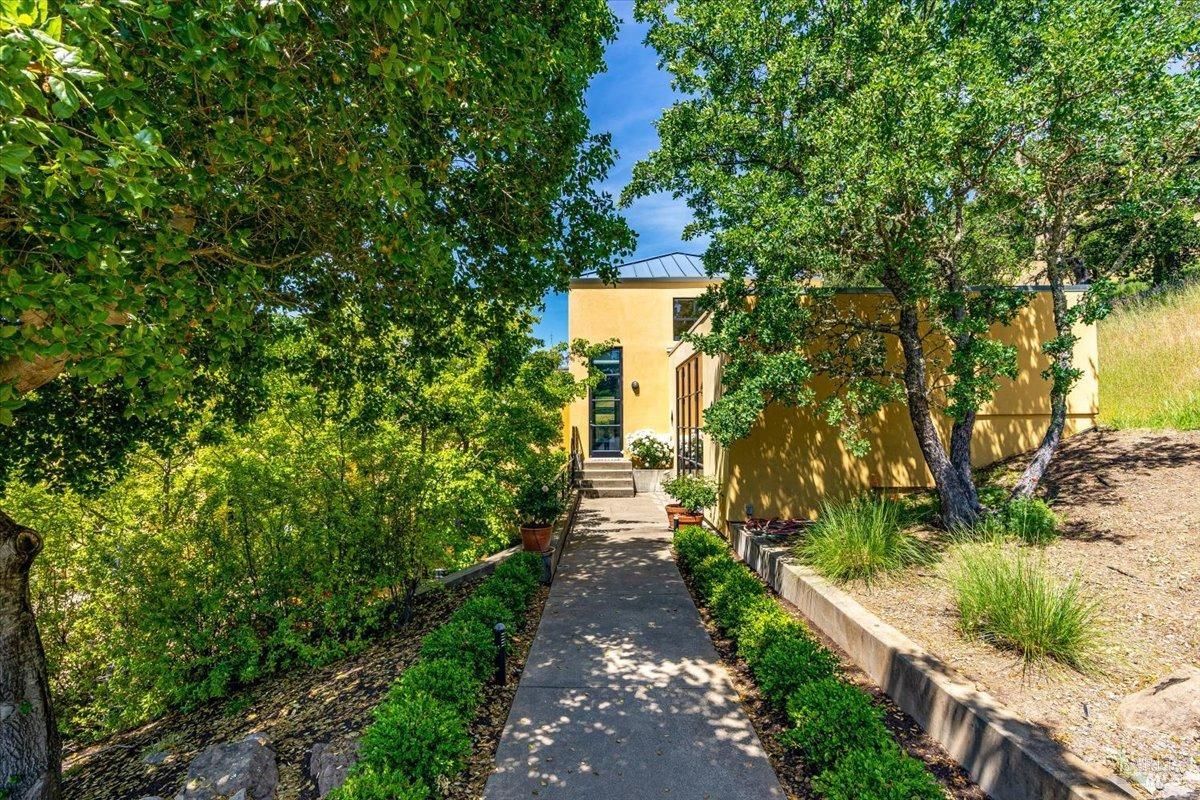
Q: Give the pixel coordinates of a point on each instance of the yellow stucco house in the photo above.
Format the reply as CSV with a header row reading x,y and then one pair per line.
x,y
792,460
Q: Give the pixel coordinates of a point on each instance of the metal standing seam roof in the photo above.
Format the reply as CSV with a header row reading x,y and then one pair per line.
x,y
672,266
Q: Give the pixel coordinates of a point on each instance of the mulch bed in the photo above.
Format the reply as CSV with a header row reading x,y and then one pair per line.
x,y
771,723
296,711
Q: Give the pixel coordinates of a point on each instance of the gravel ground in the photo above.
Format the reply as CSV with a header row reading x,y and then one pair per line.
x,y
1131,506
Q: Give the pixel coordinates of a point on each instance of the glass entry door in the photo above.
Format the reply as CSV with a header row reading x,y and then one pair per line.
x,y
604,407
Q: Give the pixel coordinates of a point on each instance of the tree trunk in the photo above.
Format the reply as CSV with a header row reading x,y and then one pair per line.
x,y
1064,362
955,485
30,749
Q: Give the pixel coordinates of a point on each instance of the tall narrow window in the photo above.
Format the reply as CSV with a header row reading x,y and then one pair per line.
x,y
689,404
684,316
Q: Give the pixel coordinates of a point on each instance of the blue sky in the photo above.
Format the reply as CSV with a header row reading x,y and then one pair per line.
x,y
625,101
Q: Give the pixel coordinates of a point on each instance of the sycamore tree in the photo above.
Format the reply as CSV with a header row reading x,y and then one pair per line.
x,y
175,174
846,144
1110,95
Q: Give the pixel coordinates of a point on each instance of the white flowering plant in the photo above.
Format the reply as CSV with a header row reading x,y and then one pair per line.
x,y
649,450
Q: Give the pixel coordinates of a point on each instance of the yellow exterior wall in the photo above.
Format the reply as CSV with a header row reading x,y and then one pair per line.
x,y
638,313
792,460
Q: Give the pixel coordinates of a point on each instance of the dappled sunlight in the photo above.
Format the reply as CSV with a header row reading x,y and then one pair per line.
x,y
623,694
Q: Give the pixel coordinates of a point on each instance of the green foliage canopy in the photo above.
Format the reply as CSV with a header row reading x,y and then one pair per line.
x,y
171,173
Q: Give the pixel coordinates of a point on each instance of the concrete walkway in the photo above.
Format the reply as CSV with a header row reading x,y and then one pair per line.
x,y
623,695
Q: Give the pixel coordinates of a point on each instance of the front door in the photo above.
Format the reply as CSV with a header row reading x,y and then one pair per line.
x,y
604,407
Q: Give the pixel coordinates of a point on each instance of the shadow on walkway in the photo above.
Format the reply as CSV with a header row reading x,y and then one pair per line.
x,y
623,695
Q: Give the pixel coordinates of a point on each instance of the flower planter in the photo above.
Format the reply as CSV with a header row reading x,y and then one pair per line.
x,y
684,519
648,480
536,538
673,509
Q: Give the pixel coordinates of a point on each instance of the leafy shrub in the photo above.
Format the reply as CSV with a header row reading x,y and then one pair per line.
x,y
512,592
712,571
885,773
832,719
789,663
1011,600
523,568
648,450
763,625
469,643
487,609
693,492
694,544
539,498
731,599
450,682
860,540
366,782
1031,520
417,736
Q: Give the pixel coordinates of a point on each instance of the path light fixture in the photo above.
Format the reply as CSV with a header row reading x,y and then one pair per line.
x,y
498,633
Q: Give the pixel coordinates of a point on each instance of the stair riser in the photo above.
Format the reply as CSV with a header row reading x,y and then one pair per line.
x,y
606,483
607,492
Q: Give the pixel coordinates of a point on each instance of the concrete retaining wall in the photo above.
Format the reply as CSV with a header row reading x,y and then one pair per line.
x,y
1009,757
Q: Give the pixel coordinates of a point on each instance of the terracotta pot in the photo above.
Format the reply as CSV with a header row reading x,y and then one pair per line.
x,y
686,519
536,538
672,510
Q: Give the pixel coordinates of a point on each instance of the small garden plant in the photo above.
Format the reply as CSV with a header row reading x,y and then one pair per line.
x,y
539,498
420,737
694,492
836,726
1010,600
649,450
860,540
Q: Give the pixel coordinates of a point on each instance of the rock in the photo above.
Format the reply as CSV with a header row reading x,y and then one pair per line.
x,y
244,770
1172,705
155,758
1177,791
1144,781
330,762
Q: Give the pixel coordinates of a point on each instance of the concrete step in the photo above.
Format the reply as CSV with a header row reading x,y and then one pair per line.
x,y
607,492
607,464
603,481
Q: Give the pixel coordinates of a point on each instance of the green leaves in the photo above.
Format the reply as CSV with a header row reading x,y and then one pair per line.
x,y
173,174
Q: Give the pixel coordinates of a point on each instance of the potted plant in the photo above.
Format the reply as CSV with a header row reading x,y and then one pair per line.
x,y
651,454
694,494
539,501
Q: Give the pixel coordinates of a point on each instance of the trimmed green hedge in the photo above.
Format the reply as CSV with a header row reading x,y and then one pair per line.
x,y
420,737
836,726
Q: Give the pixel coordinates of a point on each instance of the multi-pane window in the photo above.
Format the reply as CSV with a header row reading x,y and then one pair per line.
x,y
689,402
684,316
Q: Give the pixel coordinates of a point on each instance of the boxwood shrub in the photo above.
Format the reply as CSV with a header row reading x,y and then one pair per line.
x,y
836,726
831,719
417,736
445,680
420,736
886,773
790,663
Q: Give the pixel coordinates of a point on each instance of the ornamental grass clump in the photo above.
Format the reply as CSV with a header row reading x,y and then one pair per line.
x,y
860,540
1010,600
1031,520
